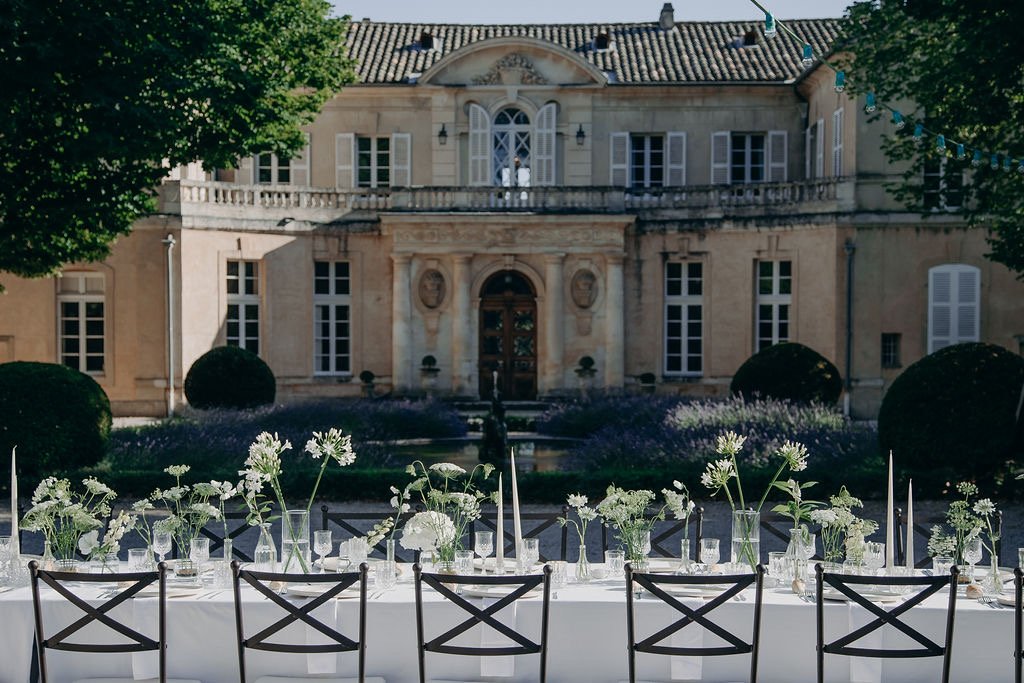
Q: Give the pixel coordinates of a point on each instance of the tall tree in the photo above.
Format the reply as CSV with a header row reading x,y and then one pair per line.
x,y
99,97
961,64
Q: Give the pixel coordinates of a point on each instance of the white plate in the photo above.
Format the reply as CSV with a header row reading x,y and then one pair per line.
x,y
1006,600
490,562
331,564
313,590
183,590
692,591
663,565
496,591
884,598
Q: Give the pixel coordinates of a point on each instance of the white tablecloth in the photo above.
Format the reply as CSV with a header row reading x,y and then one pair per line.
x,y
587,640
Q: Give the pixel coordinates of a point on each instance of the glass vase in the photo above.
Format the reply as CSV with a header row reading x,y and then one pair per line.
x,y
583,566
796,554
994,581
47,562
637,543
685,564
295,557
389,550
746,538
265,555
229,547
104,563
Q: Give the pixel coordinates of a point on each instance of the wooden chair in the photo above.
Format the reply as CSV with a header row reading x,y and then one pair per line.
x,y
336,583
358,523
519,586
659,585
1018,650
128,586
535,524
847,585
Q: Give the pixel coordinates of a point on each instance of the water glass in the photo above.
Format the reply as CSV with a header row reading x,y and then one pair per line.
x,y
322,544
385,575
809,541
778,566
357,551
140,560
1020,557
464,562
614,563
199,553
709,552
941,564
161,543
221,574
874,556
529,555
483,543
559,576
6,564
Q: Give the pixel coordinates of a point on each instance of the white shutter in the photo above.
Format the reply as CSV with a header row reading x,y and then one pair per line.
x,y
720,158
808,151
401,165
244,172
676,160
619,162
837,143
543,152
819,141
344,160
954,298
778,156
299,164
479,145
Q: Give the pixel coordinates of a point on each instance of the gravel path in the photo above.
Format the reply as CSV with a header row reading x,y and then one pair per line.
x,y
716,524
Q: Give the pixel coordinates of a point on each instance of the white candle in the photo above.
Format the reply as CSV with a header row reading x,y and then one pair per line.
x,y
499,535
516,525
889,522
910,525
15,546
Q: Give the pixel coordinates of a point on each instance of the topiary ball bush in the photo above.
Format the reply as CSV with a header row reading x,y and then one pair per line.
x,y
58,417
789,371
229,377
951,416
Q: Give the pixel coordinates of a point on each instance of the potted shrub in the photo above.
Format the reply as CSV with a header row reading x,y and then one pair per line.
x,y
367,377
585,371
428,373
647,382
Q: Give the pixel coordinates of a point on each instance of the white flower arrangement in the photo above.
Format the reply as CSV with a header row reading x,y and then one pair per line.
x,y
63,516
430,530
585,513
837,523
627,512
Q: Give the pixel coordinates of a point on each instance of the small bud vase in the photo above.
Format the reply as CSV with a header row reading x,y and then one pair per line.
x,y
583,566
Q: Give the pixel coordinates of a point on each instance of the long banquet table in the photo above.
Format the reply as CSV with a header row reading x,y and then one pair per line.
x,y
587,641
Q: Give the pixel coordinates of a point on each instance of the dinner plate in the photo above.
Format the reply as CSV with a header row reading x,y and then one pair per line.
x,y
331,564
489,563
884,598
496,591
663,565
152,591
1006,600
686,591
313,590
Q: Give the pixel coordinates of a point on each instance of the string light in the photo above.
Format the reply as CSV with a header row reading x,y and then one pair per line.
x,y
808,56
870,105
840,81
960,153
1006,164
769,26
918,132
994,162
976,161
1020,167
940,143
897,120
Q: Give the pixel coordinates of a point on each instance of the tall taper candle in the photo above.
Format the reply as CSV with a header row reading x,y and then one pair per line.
x,y
910,524
517,528
15,546
499,537
889,522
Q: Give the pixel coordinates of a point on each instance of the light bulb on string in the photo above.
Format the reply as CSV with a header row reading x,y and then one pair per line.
x,y
869,104
769,26
1020,167
1006,164
994,162
960,153
940,144
808,55
976,161
897,120
918,132
840,81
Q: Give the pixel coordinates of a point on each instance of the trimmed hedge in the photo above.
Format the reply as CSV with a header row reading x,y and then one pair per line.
x,y
229,377
788,371
58,417
951,417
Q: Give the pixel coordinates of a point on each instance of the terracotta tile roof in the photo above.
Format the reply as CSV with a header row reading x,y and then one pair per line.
x,y
692,52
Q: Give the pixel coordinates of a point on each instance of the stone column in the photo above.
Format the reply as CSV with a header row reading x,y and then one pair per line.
x,y
401,309
552,372
462,332
615,320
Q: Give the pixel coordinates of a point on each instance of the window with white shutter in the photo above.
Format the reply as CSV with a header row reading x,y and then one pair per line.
x,y
819,152
344,160
299,164
479,145
676,162
778,156
401,151
720,158
684,318
544,145
837,143
619,161
954,302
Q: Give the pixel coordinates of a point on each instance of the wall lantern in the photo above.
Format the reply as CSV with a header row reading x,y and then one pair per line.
x,y
580,135
442,135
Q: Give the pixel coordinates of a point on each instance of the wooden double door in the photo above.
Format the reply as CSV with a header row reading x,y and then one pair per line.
x,y
508,337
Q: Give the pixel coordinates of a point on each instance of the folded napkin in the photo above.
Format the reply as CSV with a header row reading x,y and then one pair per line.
x,y
324,662
498,666
864,669
688,668
146,620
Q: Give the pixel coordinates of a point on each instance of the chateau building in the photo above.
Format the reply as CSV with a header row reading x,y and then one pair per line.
x,y
666,198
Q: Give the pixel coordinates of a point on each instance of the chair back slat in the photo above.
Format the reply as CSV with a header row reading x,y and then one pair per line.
x,y
660,586
847,585
448,586
129,585
265,583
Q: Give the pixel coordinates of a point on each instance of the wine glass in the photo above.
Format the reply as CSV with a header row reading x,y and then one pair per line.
x,y
483,543
161,543
809,541
972,555
709,552
874,556
322,544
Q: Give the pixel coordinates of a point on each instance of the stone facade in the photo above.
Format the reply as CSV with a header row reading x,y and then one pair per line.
x,y
511,202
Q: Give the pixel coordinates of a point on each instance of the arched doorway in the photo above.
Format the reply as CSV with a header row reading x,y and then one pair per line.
x,y
508,337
